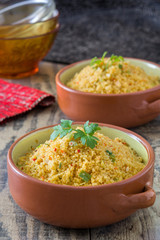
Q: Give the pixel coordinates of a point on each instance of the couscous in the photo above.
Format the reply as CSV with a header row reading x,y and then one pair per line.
x,y
81,157
112,75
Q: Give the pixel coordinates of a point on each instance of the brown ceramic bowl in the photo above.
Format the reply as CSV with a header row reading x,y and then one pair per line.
x,y
81,207
126,110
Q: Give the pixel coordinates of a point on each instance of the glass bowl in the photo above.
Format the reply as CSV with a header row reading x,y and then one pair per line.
x,y
26,11
30,29
27,32
19,57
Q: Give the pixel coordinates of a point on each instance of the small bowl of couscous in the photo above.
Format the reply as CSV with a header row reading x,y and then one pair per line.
x,y
115,90
81,175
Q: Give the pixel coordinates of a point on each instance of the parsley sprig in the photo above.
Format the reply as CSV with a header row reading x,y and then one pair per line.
x,y
96,62
100,62
62,130
85,136
113,59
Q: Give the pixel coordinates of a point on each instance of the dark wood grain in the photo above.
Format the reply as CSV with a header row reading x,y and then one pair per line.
x,y
15,224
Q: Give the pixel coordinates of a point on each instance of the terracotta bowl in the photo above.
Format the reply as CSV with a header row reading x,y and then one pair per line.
x,y
126,110
81,207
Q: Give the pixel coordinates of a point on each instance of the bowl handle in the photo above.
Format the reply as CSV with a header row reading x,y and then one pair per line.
x,y
148,108
141,200
154,107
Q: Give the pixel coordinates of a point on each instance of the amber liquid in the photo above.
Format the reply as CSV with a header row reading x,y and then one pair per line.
x,y
20,55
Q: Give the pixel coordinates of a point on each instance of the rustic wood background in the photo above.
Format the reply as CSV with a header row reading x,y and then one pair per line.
x,y
15,224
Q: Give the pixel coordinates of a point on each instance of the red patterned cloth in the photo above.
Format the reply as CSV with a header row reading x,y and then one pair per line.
x,y
16,99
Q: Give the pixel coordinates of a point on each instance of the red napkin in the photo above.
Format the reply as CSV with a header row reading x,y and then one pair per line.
x,y
16,99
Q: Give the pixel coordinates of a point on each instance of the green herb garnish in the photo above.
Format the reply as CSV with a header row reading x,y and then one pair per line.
x,y
62,130
115,58
60,165
96,62
87,136
111,155
85,176
120,66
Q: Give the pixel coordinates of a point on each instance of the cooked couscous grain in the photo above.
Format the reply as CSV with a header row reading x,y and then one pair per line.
x,y
119,77
67,161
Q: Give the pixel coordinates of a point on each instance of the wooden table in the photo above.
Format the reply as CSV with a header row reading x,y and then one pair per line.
x,y
15,224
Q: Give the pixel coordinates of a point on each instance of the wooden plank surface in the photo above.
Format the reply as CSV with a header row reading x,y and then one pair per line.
x,y
17,225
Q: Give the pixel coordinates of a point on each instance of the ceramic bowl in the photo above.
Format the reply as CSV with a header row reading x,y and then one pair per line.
x,y
126,110
81,207
19,57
